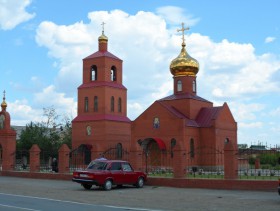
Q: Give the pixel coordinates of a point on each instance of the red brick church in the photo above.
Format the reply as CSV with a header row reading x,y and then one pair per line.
x,y
174,131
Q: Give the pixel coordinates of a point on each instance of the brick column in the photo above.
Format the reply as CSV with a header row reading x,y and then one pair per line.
x,y
230,161
257,163
8,143
179,163
34,158
63,159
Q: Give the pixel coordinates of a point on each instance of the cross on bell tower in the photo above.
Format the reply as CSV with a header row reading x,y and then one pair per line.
x,y
103,24
183,29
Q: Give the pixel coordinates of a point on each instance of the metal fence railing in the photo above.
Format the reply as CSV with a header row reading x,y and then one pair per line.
x,y
22,160
200,163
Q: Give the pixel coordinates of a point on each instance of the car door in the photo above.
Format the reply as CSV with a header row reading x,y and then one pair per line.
x,y
129,175
116,172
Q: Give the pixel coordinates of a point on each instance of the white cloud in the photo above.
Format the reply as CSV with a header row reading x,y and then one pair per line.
x,y
236,70
175,15
246,112
135,108
13,13
50,97
275,112
23,112
254,125
269,39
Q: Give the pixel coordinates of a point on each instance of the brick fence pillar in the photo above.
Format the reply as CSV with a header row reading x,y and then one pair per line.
x,y
179,163
230,161
34,158
63,159
8,144
257,163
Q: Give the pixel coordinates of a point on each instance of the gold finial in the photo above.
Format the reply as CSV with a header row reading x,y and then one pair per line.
x,y
102,38
103,27
4,104
183,32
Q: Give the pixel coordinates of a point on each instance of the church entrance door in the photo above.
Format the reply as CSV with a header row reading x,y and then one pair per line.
x,y
155,152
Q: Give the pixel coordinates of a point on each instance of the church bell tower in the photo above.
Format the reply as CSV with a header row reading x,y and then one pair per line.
x,y
102,120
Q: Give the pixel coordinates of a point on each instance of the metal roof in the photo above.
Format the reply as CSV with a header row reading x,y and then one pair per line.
x,y
102,83
97,117
204,118
183,96
102,54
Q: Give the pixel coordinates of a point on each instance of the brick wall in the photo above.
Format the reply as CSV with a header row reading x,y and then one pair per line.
x,y
252,185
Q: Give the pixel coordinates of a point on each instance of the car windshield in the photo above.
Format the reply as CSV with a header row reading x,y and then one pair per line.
x,y
97,165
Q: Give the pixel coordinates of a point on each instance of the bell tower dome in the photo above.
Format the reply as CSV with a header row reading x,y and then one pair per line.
x,y
184,69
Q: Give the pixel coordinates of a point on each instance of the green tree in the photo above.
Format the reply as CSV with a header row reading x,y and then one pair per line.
x,y
270,158
49,135
34,133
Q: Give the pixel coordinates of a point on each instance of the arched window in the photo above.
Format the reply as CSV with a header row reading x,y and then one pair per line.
x,y
95,106
120,105
93,73
194,86
172,144
192,148
86,104
226,141
119,151
112,104
179,86
113,73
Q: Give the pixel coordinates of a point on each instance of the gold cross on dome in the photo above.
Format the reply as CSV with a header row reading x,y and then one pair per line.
x,y
183,31
102,27
4,93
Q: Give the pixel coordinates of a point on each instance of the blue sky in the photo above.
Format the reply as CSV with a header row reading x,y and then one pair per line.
x,y
237,43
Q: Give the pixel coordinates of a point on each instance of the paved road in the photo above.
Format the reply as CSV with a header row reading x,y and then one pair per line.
x,y
70,195
14,202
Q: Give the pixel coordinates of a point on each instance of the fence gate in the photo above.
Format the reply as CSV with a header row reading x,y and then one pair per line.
x,y
116,153
157,161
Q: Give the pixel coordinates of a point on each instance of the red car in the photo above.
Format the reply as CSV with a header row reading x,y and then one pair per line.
x,y
106,173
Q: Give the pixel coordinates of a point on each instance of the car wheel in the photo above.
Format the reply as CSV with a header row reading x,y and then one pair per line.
x,y
87,186
107,185
140,182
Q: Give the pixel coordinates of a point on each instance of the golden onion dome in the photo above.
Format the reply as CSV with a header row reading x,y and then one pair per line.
x,y
103,38
4,104
184,64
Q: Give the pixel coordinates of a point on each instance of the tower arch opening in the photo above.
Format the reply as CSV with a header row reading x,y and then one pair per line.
x,y
113,73
93,73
